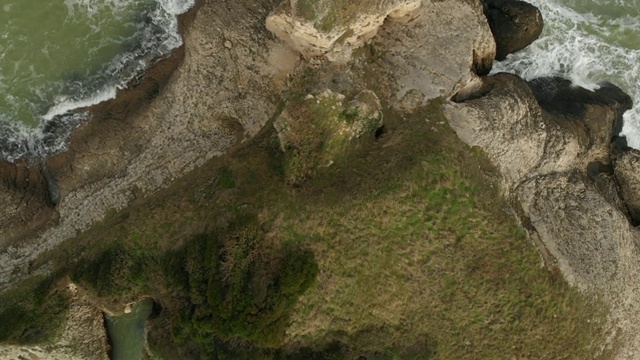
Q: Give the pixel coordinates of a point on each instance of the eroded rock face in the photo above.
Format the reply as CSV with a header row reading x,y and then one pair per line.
x,y
507,124
515,24
627,173
335,28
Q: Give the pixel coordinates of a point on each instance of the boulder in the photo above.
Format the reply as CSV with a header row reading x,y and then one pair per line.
x,y
514,24
440,53
539,127
331,27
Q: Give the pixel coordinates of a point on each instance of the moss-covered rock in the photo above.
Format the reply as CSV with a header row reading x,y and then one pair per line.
x,y
320,128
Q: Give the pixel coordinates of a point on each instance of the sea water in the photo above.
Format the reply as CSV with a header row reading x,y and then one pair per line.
x,y
587,41
127,332
60,55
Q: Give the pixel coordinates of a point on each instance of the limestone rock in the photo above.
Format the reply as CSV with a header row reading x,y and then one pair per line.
x,y
316,131
523,132
317,27
627,172
438,54
515,24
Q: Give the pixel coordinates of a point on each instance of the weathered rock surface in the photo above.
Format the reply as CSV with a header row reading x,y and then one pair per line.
x,y
515,24
627,173
333,27
437,54
525,134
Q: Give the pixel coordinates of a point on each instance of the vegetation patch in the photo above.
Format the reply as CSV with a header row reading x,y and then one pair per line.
x,y
238,290
33,312
414,254
117,273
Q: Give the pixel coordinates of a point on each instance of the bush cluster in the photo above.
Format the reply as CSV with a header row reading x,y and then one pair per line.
x,y
238,290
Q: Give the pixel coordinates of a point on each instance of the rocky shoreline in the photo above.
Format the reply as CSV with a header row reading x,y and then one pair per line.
x,y
133,146
570,180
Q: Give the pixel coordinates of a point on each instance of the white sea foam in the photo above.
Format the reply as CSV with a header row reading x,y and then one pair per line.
x,y
65,105
157,36
587,41
177,7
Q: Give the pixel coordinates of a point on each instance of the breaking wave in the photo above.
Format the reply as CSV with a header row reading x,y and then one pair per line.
x,y
42,95
589,42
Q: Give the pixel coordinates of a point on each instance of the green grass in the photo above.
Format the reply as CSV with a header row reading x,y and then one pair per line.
x,y
424,260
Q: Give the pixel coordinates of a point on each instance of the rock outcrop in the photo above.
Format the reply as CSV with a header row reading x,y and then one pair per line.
x,y
551,143
547,133
438,54
515,24
539,127
627,173
334,28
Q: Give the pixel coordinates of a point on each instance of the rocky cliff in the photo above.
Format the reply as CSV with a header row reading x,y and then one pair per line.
x,y
576,197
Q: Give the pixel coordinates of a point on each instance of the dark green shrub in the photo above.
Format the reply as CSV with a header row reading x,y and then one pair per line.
x,y
116,271
240,291
33,316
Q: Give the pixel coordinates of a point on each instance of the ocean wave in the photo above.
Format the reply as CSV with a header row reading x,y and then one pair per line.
x,y
156,35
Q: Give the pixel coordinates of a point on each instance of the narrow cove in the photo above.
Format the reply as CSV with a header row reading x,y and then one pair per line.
x,y
127,332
